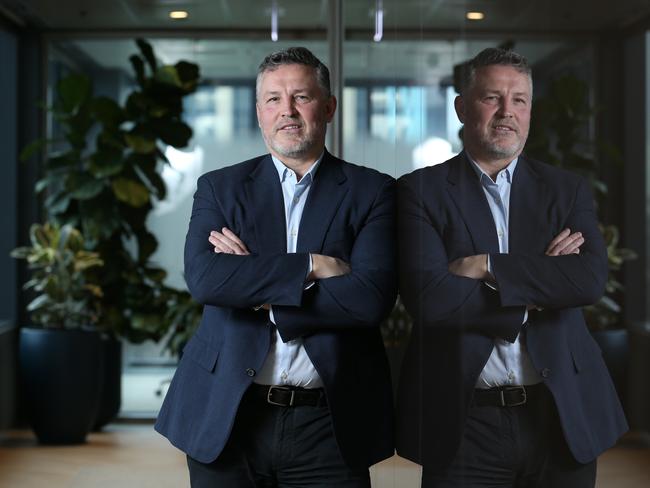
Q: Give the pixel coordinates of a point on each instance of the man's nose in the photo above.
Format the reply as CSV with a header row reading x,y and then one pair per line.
x,y
505,108
288,107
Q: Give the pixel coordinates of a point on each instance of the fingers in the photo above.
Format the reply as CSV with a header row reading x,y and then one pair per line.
x,y
327,267
562,235
565,243
227,242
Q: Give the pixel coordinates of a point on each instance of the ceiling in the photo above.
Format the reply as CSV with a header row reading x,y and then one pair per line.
x,y
422,40
424,16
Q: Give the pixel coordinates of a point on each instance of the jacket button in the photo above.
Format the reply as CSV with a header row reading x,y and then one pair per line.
x,y
545,373
250,372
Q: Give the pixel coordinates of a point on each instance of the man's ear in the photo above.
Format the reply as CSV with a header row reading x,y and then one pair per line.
x,y
459,105
330,108
257,111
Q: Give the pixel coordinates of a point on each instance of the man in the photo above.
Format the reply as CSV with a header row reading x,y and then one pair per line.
x,y
502,383
286,382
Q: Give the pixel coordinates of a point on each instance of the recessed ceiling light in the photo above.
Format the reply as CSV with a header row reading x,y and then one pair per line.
x,y
178,14
475,15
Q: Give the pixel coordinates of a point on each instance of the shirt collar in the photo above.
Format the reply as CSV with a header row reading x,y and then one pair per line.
x,y
482,175
284,171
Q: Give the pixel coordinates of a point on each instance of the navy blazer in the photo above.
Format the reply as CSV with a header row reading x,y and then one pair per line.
x,y
349,214
443,215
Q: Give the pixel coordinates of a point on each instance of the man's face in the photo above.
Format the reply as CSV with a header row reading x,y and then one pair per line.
x,y
495,112
293,112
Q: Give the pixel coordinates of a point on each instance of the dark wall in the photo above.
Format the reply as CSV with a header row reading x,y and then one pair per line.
x,y
21,122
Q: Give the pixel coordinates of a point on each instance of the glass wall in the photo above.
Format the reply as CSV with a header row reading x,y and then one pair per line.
x,y
398,115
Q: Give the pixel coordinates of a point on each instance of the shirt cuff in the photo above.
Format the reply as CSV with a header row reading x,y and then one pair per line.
x,y
490,284
309,284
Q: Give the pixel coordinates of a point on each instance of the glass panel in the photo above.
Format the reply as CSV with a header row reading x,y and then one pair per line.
x,y
222,115
398,101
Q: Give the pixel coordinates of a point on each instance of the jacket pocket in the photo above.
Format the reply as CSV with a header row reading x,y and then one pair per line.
x,y
201,353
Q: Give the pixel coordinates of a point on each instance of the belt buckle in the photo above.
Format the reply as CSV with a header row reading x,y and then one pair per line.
x,y
283,388
520,389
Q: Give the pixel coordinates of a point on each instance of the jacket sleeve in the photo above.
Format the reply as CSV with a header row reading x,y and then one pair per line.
x,y
554,282
361,298
230,280
433,296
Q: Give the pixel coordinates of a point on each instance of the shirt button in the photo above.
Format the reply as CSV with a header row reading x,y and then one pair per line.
x,y
284,375
545,373
250,372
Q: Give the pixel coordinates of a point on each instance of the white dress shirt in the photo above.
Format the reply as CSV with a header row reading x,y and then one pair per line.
x,y
509,363
287,362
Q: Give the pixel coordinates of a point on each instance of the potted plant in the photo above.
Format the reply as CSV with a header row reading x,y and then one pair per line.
x,y
60,354
103,177
559,135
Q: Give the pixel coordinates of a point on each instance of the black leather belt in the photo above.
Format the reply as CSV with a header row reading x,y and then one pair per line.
x,y
506,396
288,396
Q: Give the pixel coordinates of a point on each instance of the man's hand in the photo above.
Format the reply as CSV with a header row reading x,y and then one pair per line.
x,y
227,242
327,267
474,267
565,243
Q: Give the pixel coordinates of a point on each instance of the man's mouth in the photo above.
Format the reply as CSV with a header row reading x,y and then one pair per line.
x,y
503,128
289,127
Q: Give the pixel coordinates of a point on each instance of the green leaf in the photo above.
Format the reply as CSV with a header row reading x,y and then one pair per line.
x,y
73,91
138,67
168,76
140,144
172,132
57,203
147,245
89,189
38,302
105,162
107,111
131,192
147,52
32,148
188,73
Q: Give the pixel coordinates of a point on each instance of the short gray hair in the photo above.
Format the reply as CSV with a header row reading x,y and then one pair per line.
x,y
294,55
490,57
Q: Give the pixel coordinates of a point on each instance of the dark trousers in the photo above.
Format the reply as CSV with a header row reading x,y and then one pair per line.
x,y
514,447
273,446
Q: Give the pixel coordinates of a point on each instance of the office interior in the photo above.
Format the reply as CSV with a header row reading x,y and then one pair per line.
x,y
392,65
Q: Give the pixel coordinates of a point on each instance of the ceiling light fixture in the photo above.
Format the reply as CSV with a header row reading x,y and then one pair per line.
x,y
475,15
178,14
379,21
274,20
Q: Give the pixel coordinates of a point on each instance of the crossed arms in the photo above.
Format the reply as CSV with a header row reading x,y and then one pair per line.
x,y
221,271
442,292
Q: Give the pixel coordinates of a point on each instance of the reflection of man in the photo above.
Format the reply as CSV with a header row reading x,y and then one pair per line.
x,y
502,384
286,382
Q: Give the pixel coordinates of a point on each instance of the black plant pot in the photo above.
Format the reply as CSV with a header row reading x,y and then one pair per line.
x,y
61,373
111,395
615,345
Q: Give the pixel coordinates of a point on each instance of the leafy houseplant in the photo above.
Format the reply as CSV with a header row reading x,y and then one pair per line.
x,y
66,296
104,176
61,361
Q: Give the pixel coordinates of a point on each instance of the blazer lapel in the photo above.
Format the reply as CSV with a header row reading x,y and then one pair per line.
x,y
325,195
467,193
264,192
527,204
